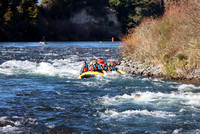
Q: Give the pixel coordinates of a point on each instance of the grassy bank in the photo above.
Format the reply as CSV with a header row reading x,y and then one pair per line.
x,y
173,41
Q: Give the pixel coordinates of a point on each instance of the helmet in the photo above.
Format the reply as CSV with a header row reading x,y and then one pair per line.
x,y
95,62
99,57
111,63
91,63
103,65
108,64
84,63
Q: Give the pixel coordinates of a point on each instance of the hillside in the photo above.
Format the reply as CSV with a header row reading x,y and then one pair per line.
x,y
85,23
171,43
58,20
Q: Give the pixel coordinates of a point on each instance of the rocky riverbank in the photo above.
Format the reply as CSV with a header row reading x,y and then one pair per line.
x,y
148,70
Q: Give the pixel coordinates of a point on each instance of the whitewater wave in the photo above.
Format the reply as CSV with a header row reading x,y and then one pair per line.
x,y
59,68
133,113
188,88
16,124
153,99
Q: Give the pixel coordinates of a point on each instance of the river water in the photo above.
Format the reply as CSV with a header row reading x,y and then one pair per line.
x,y
40,93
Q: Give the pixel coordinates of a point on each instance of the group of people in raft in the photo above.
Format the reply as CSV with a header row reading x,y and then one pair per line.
x,y
98,65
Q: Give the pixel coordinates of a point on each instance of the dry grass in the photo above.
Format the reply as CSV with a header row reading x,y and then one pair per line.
x,y
173,41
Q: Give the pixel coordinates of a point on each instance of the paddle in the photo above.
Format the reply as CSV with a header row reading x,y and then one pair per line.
x,y
104,72
120,71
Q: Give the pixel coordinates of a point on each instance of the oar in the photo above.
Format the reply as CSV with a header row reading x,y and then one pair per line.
x,y
104,72
120,71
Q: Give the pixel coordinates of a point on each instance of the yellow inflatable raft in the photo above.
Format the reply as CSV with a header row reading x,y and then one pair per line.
x,y
90,74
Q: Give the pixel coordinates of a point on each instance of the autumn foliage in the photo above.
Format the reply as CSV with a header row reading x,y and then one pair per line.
x,y
172,41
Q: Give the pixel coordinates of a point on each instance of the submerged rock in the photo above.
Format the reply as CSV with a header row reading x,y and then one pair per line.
x,y
75,52
108,50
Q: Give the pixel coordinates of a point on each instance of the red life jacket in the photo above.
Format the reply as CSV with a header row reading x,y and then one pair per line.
x,y
109,69
85,69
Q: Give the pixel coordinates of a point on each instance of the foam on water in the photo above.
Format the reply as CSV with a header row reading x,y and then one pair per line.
x,y
188,88
133,113
181,131
161,100
16,124
8,129
55,68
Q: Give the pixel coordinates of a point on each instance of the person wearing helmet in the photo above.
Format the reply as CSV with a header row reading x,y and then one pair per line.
x,y
91,68
84,68
109,67
113,68
104,67
96,68
100,61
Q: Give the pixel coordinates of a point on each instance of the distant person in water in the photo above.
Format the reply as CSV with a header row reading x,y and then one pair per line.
x,y
113,39
84,68
100,61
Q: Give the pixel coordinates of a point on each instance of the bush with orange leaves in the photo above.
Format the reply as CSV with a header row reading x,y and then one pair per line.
x,y
173,41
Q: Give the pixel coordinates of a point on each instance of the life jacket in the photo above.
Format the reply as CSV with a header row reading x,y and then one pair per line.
x,y
113,68
109,69
91,68
100,61
85,68
95,67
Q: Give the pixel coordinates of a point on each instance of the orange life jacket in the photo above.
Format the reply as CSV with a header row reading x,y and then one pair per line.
x,y
91,68
85,69
100,61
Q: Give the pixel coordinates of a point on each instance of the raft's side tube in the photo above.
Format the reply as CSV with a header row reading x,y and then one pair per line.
x,y
90,74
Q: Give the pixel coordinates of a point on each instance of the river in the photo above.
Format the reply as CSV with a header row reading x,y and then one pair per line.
x,y
40,93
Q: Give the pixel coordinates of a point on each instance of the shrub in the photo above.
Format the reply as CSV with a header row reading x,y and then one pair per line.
x,y
172,41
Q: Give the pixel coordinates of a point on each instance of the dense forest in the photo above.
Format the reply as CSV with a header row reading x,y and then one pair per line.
x,y
28,20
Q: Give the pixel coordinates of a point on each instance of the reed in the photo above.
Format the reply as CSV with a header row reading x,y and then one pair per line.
x,y
172,41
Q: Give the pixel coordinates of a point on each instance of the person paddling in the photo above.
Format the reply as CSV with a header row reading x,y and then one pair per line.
x,y
84,68
91,67
100,61
108,67
113,68
98,67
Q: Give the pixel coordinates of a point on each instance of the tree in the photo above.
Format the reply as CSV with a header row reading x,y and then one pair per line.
x,y
131,12
3,9
28,11
8,16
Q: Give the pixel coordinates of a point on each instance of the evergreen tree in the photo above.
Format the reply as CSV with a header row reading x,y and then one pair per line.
x,y
131,12
8,16
3,9
29,11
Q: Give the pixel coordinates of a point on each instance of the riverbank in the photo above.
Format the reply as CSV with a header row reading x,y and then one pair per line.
x,y
167,47
155,71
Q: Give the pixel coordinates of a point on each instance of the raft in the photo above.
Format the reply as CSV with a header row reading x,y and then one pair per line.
x,y
90,74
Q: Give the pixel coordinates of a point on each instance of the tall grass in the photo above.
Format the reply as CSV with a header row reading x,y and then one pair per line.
x,y
173,41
